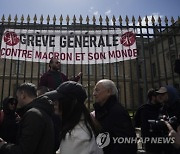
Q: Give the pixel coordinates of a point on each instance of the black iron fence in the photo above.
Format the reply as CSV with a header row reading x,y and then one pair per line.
x,y
135,54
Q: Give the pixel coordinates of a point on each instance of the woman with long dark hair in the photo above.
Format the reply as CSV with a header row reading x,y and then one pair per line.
x,y
78,127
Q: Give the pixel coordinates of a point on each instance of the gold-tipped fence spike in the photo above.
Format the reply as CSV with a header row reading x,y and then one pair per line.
x,y
146,20
61,19
127,20
139,20
107,20
159,20
35,18
172,20
114,20
74,19
133,20
67,19
166,20
94,19
41,19
9,18
3,18
54,19
48,19
100,19
87,19
120,20
153,20
28,18
80,19
15,18
22,18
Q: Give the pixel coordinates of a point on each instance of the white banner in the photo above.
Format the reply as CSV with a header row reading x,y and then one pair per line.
x,y
70,47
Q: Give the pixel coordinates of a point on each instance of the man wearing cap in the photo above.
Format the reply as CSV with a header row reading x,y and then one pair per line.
x,y
162,94
170,99
149,111
53,78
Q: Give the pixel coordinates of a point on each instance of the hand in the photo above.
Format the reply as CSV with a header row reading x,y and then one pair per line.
x,y
2,141
80,74
173,133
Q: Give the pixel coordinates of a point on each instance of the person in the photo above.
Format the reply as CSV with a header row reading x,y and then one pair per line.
x,y
36,132
53,78
170,99
9,123
55,117
149,111
113,118
173,133
78,130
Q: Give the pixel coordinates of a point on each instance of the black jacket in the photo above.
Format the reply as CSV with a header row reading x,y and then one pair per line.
x,y
144,113
115,120
9,125
36,132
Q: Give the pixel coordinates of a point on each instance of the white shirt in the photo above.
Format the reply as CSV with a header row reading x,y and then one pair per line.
x,y
78,142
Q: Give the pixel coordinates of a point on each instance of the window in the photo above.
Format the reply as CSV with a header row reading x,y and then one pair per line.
x,y
102,69
173,58
154,69
18,67
139,71
171,40
90,71
116,68
63,68
152,51
42,68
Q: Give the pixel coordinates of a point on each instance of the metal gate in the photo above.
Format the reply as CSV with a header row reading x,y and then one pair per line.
x,y
158,46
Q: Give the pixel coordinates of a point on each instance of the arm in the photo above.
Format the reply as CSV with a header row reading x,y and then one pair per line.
x,y
121,126
32,126
121,122
173,133
76,78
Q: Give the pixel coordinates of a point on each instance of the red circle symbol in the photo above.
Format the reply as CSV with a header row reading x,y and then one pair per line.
x,y
128,39
11,38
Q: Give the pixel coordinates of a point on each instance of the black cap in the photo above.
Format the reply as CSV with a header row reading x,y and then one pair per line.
x,y
68,89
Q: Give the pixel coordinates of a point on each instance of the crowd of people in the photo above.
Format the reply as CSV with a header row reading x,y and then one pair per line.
x,y
53,118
